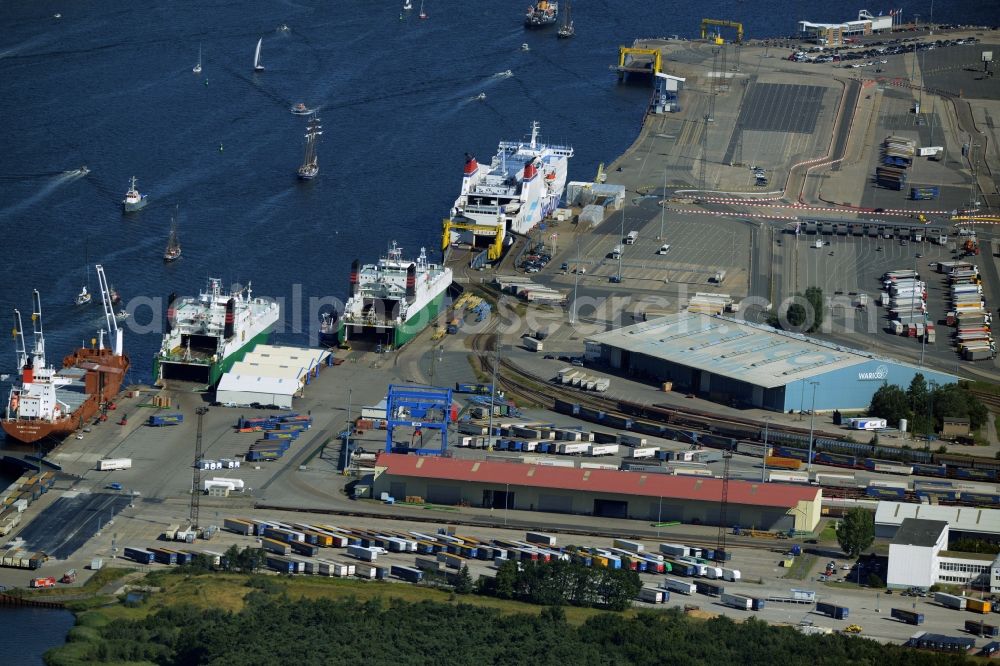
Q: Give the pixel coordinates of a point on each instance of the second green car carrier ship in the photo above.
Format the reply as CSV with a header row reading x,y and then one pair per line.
x,y
393,300
206,335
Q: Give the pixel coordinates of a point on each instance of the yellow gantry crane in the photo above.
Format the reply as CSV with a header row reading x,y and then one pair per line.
x,y
493,252
705,23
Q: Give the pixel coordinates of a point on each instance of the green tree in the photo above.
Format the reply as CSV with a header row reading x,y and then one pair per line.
x,y
815,297
890,403
506,579
917,393
796,316
464,583
856,532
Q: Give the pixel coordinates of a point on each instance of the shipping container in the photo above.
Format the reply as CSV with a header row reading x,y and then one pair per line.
x,y
677,585
409,574
631,440
109,464
280,564
832,610
707,588
909,617
977,606
979,629
166,419
783,463
950,600
736,601
540,538
139,555
164,555
363,553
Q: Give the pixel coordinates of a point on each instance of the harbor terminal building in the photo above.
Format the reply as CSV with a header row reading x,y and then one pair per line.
x,y
747,365
919,557
598,492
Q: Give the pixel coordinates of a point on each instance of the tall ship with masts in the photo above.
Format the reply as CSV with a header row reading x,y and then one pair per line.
x,y
393,300
310,163
207,334
50,402
173,250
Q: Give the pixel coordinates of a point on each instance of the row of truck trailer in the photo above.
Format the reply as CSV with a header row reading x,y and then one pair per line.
x,y
969,314
294,548
905,297
275,434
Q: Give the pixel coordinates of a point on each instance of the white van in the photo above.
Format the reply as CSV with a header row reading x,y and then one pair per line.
x,y
663,249
632,237
616,252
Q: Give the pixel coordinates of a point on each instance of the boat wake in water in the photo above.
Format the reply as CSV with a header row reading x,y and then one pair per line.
x,y
46,190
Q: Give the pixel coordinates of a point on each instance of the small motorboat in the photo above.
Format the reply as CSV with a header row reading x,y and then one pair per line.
x,y
301,109
525,47
283,28
481,96
121,315
83,297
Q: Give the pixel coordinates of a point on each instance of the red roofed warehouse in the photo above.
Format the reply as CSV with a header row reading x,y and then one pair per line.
x,y
607,493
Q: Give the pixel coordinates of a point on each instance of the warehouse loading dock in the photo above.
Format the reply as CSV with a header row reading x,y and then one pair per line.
x,y
598,492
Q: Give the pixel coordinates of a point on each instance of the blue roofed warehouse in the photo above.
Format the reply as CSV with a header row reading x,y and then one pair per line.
x,y
750,365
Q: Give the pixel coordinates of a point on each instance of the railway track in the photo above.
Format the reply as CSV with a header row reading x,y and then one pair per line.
x,y
991,401
535,389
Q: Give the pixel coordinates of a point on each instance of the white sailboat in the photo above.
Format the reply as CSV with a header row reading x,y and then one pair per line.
x,y
197,68
407,5
257,67
422,14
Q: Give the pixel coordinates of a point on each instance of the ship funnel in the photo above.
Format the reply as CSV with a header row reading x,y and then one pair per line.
x,y
171,312
411,283
355,269
28,373
471,165
529,171
230,327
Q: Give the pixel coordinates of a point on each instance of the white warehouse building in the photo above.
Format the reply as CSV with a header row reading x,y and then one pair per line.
x,y
271,375
918,558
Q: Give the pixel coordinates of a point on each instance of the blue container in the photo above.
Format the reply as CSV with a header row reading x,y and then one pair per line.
x,y
139,555
757,604
832,610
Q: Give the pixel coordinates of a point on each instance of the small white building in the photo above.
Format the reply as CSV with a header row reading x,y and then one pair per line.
x,y
918,558
245,390
914,553
271,375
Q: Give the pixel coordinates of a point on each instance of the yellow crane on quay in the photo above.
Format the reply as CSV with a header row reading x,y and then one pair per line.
x,y
495,249
719,23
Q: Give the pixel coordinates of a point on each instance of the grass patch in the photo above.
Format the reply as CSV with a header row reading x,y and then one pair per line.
x,y
801,567
229,591
829,532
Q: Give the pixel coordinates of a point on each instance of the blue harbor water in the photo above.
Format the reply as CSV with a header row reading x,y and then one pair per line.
x,y
109,85
29,632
